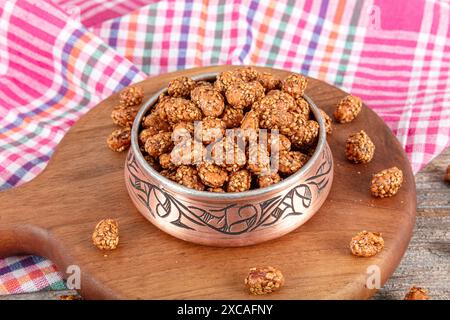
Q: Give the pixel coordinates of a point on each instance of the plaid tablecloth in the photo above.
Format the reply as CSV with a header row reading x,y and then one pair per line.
x,y
59,58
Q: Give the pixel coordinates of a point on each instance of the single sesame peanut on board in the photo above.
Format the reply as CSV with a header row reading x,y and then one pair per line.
x,y
106,234
264,280
348,109
366,244
386,183
359,148
417,293
447,175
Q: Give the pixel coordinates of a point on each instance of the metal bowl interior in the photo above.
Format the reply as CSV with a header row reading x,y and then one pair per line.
x,y
212,196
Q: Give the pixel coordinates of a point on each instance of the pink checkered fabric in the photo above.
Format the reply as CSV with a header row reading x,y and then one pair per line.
x,y
60,58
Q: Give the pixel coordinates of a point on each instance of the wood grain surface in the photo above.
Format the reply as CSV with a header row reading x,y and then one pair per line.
x,y
54,216
426,262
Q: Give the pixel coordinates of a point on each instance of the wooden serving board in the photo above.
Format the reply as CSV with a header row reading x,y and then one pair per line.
x,y
54,216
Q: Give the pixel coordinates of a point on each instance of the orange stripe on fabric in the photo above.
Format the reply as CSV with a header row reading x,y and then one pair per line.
x,y
268,14
75,53
201,33
3,289
332,40
131,38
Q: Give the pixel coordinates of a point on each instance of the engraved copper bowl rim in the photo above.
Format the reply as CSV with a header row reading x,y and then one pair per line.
x,y
175,187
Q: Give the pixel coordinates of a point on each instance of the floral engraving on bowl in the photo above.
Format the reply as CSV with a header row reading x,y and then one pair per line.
x,y
233,219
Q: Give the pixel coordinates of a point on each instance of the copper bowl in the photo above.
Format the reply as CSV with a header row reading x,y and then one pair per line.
x,y
228,219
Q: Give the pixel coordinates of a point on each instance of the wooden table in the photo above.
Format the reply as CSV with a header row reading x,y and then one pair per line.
x,y
426,261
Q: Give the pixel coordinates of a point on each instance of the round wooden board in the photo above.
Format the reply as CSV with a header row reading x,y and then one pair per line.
x,y
54,216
